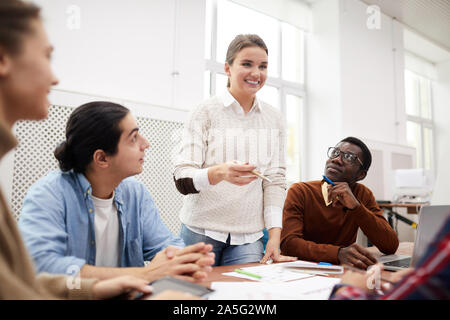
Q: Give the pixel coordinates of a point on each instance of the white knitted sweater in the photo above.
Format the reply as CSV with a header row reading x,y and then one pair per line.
x,y
214,134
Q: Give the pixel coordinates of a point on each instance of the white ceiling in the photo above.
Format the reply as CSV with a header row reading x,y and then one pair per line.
x,y
429,18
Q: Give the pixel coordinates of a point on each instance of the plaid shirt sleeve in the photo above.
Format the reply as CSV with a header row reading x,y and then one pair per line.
x,y
430,279
349,293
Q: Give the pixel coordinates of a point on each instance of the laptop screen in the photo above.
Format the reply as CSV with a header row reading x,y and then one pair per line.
x,y
431,219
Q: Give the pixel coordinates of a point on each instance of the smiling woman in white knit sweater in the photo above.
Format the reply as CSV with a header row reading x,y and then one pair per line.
x,y
224,140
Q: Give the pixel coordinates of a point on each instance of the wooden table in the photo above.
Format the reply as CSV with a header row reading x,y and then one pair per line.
x,y
404,248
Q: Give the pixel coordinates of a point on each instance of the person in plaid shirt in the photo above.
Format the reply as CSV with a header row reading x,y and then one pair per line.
x,y
429,280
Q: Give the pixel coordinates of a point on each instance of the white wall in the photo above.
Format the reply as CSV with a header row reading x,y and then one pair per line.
x,y
441,110
126,52
323,86
354,79
129,49
372,75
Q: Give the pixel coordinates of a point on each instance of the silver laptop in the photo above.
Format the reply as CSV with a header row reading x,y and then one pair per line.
x,y
431,220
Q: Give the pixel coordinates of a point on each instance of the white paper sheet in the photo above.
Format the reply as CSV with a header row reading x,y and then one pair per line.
x,y
313,288
270,273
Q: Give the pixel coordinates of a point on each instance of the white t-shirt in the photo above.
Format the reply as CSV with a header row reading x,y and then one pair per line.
x,y
106,226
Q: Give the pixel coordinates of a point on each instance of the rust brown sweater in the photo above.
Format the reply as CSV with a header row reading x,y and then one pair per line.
x,y
315,232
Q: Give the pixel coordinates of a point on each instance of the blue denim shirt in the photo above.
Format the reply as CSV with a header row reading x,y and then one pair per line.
x,y
57,223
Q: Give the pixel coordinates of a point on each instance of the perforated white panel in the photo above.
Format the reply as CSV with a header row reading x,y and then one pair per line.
x,y
157,174
34,158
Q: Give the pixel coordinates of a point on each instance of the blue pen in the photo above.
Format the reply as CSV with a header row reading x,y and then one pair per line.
x,y
329,181
324,264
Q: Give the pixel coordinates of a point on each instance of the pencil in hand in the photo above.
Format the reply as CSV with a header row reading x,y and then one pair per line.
x,y
256,173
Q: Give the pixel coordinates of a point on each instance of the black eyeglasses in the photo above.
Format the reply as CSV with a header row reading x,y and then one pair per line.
x,y
347,157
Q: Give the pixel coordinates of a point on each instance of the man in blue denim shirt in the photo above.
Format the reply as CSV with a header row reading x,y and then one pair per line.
x,y
91,217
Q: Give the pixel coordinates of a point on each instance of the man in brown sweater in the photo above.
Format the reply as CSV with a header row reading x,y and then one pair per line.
x,y
321,218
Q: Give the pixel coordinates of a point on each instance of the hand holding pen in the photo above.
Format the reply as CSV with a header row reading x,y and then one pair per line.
x,y
236,173
340,192
254,172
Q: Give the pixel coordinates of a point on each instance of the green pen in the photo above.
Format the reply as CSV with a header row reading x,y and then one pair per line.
x,y
257,276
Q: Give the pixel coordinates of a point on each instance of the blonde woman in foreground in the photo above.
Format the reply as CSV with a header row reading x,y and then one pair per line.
x,y
25,81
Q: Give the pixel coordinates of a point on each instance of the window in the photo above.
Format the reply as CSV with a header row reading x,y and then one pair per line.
x,y
294,106
284,88
419,125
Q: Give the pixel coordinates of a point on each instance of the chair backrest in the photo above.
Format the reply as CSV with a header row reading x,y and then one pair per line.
x,y
34,158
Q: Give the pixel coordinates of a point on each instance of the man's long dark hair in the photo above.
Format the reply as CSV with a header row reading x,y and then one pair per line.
x,y
92,126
